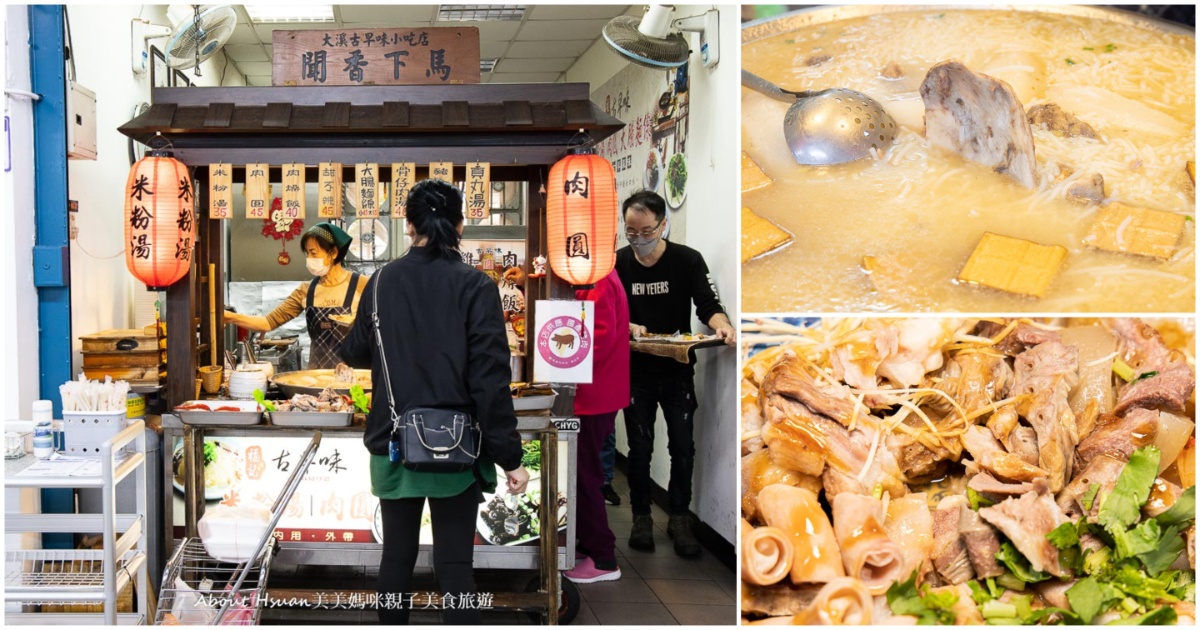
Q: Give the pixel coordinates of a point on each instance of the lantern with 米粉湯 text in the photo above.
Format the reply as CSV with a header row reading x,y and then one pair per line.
x,y
160,220
581,218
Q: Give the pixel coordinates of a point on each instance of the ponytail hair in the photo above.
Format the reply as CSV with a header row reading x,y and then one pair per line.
x,y
435,210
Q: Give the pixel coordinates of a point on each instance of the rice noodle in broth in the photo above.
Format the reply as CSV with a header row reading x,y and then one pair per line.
x,y
920,210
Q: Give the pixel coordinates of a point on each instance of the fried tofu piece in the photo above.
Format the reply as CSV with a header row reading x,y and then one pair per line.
x,y
1013,265
760,236
753,177
1139,231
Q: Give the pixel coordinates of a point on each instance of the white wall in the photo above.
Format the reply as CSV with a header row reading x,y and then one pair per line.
x,y
712,229
18,297
102,290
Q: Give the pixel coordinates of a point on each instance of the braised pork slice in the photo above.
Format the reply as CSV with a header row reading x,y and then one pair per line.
x,y
996,490
1141,346
980,118
1168,390
1023,444
1060,121
990,454
1088,190
983,543
790,378
1045,375
1119,437
1023,337
1163,495
950,556
1102,471
1026,521
976,380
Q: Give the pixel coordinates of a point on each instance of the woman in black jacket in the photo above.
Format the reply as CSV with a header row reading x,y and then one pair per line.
x,y
445,344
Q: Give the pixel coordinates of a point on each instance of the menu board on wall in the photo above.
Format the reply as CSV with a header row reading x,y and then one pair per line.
x,y
403,174
293,191
369,190
334,504
495,258
478,190
650,152
220,191
442,170
330,180
257,191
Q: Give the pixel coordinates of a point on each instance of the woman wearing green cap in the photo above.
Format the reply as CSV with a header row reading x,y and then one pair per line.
x,y
334,291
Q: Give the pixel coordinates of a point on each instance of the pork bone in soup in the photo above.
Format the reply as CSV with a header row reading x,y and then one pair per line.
x,y
918,211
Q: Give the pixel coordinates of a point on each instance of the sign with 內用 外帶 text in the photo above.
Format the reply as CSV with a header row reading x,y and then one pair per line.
x,y
376,56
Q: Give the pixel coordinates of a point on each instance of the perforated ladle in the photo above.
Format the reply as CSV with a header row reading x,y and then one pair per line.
x,y
831,126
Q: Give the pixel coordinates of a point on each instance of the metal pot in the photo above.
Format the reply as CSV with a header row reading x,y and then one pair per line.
x,y
758,29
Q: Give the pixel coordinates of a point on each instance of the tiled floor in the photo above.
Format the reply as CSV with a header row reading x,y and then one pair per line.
x,y
656,588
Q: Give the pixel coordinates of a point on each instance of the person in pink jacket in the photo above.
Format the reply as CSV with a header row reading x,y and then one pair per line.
x,y
597,404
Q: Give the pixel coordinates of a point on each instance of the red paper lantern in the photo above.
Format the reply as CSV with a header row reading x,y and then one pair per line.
x,y
581,218
160,220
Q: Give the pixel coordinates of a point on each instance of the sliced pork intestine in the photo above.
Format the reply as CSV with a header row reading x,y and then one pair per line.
x,y
798,514
868,552
845,601
909,520
767,554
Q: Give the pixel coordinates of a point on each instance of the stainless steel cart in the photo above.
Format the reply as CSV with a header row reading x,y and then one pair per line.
x,y
215,592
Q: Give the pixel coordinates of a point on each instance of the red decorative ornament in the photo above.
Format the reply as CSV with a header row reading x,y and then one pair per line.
x,y
284,258
581,218
280,227
160,220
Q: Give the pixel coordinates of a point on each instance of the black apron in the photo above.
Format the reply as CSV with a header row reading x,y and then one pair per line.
x,y
325,336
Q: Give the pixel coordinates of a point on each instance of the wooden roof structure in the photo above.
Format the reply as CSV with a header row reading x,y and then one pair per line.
x,y
498,123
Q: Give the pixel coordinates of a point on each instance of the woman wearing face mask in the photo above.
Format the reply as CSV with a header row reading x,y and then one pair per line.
x,y
333,291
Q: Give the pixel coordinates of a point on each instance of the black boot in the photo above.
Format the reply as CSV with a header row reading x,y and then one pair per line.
x,y
642,536
679,528
610,496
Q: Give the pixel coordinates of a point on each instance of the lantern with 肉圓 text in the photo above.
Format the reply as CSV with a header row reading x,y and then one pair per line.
x,y
581,218
160,220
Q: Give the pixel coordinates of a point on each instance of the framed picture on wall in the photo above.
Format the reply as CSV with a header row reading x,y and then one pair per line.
x,y
160,72
179,79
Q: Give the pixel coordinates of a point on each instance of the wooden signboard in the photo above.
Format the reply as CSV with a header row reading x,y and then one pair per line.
x,y
442,170
258,191
478,190
368,190
220,191
403,174
330,193
376,56
293,192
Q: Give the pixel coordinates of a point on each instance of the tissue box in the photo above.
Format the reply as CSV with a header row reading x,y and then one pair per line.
x,y
232,533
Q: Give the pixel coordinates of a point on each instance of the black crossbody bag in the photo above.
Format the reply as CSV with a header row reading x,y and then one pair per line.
x,y
426,439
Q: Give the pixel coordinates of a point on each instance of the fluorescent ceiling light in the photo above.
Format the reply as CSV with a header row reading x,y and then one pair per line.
x,y
296,12
487,65
481,12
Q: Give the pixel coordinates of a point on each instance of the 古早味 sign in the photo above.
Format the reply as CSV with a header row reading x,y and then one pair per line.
x,y
376,56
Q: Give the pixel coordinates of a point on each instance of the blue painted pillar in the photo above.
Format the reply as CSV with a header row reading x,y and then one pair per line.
x,y
51,256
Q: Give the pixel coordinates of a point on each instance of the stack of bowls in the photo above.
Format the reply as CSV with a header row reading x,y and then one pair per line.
x,y
242,383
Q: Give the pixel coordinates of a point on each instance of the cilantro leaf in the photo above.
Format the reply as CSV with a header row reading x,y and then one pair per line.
x,y
1018,565
1182,512
1086,598
1122,507
1064,536
1141,539
1089,497
979,593
929,608
1137,584
1145,375
1165,551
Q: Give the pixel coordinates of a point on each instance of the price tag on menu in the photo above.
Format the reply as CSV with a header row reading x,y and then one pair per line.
x,y
478,190
258,191
293,191
442,170
329,195
402,180
220,191
367,176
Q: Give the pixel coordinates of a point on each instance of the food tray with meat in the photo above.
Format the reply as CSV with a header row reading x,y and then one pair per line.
x,y
532,397
968,471
328,409
208,412
311,418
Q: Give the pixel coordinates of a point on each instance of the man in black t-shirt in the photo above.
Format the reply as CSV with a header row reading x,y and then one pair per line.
x,y
662,280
